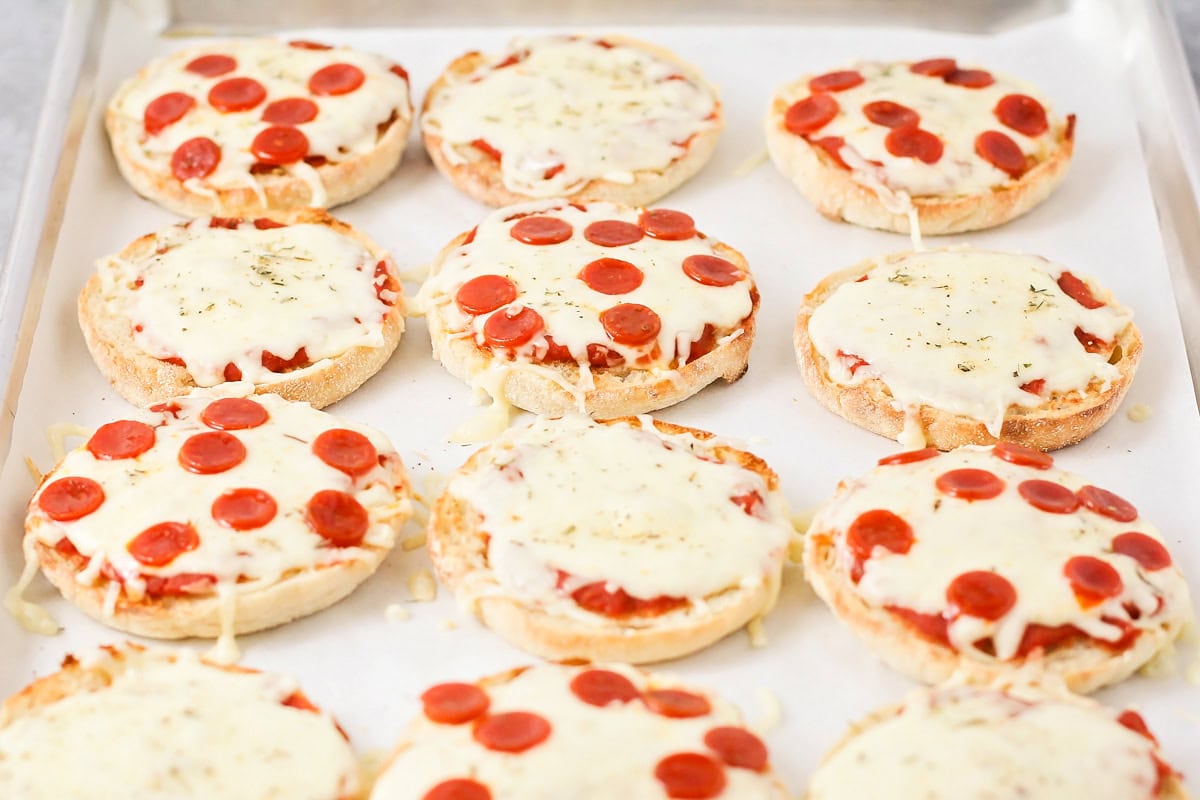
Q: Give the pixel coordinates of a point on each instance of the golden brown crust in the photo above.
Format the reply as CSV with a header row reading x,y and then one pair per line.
x,y
478,174
144,380
836,195
1062,420
458,548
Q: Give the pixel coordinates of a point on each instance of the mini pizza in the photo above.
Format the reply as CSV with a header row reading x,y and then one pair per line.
x,y
604,309
576,731
302,305
882,145
987,558
571,116
956,742
242,126
213,514
954,347
633,540
127,722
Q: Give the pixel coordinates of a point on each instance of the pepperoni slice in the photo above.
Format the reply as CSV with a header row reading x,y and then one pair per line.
x,y
878,528
458,789
981,594
937,67
266,223
969,78
630,323
1022,456
690,775
1048,496
125,438
244,509
908,457
484,147
712,270
663,223
512,327
234,414
211,452
1034,386
211,66
279,145
454,703
832,145
1092,580
512,731
1022,113
737,747
165,110
599,687
1001,152
338,518
399,71
541,230
970,484
1107,504
231,372
810,114
914,143
305,44
195,158
1090,341
1078,290
676,703
290,111
612,233
236,94
346,450
611,276
836,81
1149,553
70,498
891,115
485,293
161,544
336,79
1133,720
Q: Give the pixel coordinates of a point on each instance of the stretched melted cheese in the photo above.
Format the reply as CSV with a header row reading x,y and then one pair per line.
x,y
170,727
1004,534
598,110
592,752
964,742
215,296
645,512
962,331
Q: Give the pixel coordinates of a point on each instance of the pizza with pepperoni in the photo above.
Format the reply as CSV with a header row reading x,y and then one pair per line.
x,y
247,125
882,144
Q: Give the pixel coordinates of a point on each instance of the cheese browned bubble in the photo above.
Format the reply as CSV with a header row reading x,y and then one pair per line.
x,y
171,726
963,331
565,110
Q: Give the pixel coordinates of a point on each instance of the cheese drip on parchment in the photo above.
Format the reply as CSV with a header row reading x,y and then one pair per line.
x,y
963,330
635,508
1005,534
169,727
596,111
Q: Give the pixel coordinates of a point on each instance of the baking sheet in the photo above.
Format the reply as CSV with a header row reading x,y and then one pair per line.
x,y
368,670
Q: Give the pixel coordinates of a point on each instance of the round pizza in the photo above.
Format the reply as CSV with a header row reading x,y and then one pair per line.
x,y
961,346
577,731
929,145
955,742
217,514
245,125
126,721
571,116
299,304
599,308
633,540
985,558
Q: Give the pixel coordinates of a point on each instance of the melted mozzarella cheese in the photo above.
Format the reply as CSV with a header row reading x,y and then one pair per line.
x,y
599,112
214,296
1005,534
592,751
962,330
169,727
642,511
970,742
